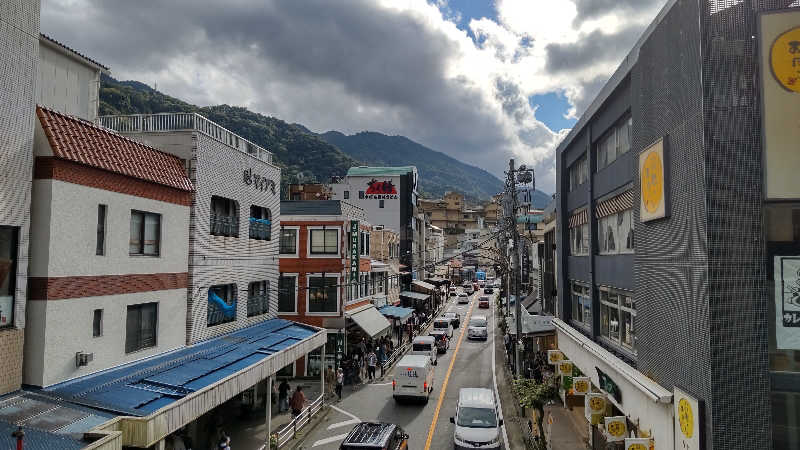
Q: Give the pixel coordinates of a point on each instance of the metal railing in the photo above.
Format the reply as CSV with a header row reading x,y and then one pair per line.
x,y
260,230
224,225
165,122
289,431
257,304
217,316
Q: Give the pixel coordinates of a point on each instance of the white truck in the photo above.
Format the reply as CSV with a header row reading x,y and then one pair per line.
x,y
413,378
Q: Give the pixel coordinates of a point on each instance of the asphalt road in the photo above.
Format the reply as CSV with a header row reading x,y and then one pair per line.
x,y
373,402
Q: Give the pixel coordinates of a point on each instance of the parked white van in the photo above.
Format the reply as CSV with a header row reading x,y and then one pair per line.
x,y
476,419
425,346
413,378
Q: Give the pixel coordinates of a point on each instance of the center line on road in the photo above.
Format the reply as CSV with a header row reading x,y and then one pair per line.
x,y
446,379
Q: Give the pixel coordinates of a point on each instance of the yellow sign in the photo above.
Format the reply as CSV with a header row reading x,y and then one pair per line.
x,y
565,368
652,185
596,403
637,444
686,417
581,385
784,59
554,356
616,428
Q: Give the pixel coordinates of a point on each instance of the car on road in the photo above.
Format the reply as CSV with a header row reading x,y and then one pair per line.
x,y
478,328
375,436
443,324
477,422
488,290
475,286
425,346
468,288
463,297
455,318
453,292
483,302
482,283
413,378
442,341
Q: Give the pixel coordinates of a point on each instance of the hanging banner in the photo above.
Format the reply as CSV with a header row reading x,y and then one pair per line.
x,y
609,385
355,259
616,428
637,443
581,385
787,302
554,357
565,368
687,416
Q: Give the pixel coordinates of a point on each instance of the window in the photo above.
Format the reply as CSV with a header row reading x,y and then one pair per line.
x,y
260,223
615,233
288,244
346,195
578,172
323,294
324,241
618,317
221,304
287,294
140,327
579,240
97,323
145,233
8,273
224,217
257,298
581,304
615,143
361,194
380,203
101,230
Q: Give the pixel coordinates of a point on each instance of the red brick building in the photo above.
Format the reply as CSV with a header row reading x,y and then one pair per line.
x,y
315,285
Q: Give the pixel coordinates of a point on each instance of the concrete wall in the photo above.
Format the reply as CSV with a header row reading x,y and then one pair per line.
x,y
19,41
66,84
389,216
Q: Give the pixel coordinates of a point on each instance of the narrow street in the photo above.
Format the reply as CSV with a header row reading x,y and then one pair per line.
x,y
428,425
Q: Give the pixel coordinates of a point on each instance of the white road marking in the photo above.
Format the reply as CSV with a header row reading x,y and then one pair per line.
x,y
494,380
343,424
379,384
344,412
352,421
336,438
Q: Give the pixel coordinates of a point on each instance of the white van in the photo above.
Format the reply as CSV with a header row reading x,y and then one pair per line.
x,y
413,378
425,346
468,288
443,324
476,419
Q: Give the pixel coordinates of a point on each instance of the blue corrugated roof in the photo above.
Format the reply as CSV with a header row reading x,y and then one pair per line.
x,y
398,312
140,388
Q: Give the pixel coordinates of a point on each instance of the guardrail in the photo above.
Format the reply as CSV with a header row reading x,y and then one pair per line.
x,y
289,431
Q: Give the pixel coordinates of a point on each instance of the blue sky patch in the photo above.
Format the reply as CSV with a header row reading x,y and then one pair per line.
x,y
552,108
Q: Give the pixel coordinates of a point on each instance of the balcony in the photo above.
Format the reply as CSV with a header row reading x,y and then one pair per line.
x,y
219,311
224,225
257,305
168,122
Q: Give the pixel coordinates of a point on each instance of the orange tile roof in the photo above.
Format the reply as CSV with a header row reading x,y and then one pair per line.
x,y
79,141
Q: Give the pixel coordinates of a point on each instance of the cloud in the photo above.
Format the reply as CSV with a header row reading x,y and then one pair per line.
x,y
397,67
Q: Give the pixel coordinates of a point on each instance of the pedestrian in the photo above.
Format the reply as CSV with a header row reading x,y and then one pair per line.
x,y
283,396
298,401
372,360
362,346
382,350
274,395
224,442
339,382
330,379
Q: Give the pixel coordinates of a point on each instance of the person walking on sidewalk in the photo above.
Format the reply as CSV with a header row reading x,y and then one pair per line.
x,y
330,378
372,360
339,382
283,396
298,401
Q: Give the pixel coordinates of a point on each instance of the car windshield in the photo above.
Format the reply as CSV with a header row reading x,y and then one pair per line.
x,y
484,299
477,418
420,347
477,323
441,324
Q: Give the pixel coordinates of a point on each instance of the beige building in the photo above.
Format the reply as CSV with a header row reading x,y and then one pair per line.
x,y
451,213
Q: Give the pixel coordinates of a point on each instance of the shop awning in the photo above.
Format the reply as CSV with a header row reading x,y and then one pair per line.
x,y
396,312
437,281
370,320
415,295
423,285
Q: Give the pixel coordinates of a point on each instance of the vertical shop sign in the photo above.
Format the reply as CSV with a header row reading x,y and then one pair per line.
x,y
354,257
787,302
687,415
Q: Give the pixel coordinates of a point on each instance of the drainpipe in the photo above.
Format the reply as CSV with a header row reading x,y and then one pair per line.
x,y
20,435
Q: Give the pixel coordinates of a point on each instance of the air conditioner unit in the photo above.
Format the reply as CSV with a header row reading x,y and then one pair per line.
x,y
83,359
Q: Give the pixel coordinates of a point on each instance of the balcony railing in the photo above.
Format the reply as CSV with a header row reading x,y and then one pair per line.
x,y
166,122
217,315
260,229
224,225
257,305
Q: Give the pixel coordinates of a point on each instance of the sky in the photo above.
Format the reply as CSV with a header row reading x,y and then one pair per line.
x,y
480,80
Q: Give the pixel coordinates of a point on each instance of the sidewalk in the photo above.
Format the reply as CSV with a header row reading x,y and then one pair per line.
x,y
569,430
516,426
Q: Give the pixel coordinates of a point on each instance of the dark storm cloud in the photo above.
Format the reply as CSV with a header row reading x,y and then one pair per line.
x,y
589,9
589,91
595,47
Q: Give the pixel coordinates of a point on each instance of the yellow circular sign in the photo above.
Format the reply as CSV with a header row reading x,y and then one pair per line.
x,y
637,447
616,429
686,418
652,182
581,386
555,357
784,59
597,403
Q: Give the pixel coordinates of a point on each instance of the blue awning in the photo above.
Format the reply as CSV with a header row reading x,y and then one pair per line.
x,y
145,386
396,312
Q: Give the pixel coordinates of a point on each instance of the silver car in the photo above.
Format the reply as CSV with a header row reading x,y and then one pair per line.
x,y
477,422
478,328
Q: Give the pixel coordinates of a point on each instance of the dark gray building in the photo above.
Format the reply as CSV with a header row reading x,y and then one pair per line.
x,y
681,327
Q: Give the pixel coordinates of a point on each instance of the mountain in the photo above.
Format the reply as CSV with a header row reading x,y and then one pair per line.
x,y
303,156
438,173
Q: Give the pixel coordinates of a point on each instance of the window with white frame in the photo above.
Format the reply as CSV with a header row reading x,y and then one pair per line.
x,y
618,317
287,294
324,241
581,295
579,240
615,233
323,294
615,143
578,172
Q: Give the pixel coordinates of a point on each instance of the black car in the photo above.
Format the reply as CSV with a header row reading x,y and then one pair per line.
x,y
375,436
455,318
488,290
442,342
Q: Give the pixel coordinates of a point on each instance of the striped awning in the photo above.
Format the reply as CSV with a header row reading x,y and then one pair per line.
x,y
614,204
578,218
